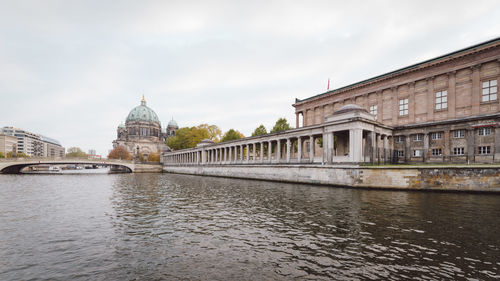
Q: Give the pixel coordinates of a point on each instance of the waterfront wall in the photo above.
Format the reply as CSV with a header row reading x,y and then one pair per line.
x,y
460,178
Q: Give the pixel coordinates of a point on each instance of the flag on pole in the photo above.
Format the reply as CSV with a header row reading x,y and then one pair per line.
x,y
328,87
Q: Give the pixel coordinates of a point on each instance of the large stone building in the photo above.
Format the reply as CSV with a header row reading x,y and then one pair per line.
x,y
444,109
34,145
8,144
142,132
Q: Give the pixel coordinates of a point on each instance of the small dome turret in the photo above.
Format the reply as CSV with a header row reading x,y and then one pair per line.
x,y
172,123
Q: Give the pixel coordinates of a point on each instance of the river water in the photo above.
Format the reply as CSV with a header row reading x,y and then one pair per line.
x,y
164,226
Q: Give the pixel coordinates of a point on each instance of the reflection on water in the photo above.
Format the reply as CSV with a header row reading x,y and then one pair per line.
x,y
161,226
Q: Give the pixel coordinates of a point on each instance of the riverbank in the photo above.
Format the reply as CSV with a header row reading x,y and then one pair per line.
x,y
473,178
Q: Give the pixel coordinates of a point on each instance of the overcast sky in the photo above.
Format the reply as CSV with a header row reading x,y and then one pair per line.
x,y
72,70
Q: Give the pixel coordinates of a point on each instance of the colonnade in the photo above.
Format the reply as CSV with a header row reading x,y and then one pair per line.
x,y
349,142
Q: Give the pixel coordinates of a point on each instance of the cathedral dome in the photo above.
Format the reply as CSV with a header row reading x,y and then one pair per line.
x,y
143,113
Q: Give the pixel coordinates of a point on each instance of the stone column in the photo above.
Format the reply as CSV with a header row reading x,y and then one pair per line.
x,y
324,155
241,153
248,152
299,149
311,149
373,140
278,151
288,150
407,148
297,119
451,94
411,103
426,147
261,152
446,148
395,104
254,152
471,145
385,147
476,89
230,154
269,151
496,149
431,99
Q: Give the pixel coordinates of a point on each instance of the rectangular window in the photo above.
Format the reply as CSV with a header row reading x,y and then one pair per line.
x,y
437,135
441,100
417,153
484,131
417,137
489,91
403,107
459,134
398,138
373,110
400,153
483,150
437,152
458,151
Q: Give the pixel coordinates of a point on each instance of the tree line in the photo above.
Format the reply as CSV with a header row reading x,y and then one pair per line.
x,y
188,137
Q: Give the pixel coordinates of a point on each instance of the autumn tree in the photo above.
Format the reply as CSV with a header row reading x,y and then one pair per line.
x,y
1,155
119,152
259,131
232,134
10,154
188,137
154,157
280,126
214,133
75,152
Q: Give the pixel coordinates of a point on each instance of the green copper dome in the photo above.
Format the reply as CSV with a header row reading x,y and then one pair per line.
x,y
142,113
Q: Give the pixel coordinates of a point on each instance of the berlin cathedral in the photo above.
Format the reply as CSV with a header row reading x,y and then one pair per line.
x,y
142,132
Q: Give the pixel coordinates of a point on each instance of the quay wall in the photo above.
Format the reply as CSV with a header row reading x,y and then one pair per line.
x,y
148,168
459,178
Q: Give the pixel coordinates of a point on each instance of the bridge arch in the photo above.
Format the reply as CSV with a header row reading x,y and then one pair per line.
x,y
15,166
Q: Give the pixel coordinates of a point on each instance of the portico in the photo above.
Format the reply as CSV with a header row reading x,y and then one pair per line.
x,y
350,135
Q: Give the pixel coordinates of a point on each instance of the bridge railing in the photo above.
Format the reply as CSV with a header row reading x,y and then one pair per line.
x,y
63,159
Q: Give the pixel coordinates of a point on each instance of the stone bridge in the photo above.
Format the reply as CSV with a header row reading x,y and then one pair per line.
x,y
15,165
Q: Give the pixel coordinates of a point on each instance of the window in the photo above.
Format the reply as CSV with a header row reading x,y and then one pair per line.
x,y
484,131
437,152
373,110
437,135
403,107
458,151
417,137
489,90
459,134
483,150
441,100
398,138
417,153
400,153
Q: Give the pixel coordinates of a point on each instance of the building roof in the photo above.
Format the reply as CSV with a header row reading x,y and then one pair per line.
x,y
349,108
142,113
404,69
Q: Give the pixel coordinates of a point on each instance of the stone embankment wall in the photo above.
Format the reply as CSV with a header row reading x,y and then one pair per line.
x,y
463,178
148,168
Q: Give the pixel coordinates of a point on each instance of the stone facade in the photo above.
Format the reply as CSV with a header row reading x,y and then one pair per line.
x,y
444,109
7,144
